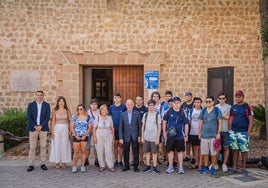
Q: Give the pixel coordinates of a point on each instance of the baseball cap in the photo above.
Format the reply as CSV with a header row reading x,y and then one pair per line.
x,y
239,93
188,93
217,145
176,99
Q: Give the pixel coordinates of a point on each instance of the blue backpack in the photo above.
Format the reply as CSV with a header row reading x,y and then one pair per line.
x,y
204,111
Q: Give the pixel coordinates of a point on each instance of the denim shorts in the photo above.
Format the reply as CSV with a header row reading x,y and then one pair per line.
x,y
225,139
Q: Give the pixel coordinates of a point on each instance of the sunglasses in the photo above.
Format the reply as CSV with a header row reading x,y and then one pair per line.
x,y
79,109
221,98
208,101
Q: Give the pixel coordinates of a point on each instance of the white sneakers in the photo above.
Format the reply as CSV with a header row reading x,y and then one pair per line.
x,y
74,169
224,168
83,168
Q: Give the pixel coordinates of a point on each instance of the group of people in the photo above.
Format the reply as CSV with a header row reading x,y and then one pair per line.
x,y
121,134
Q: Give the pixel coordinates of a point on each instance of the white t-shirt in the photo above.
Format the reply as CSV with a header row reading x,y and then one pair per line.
x,y
194,121
224,108
150,132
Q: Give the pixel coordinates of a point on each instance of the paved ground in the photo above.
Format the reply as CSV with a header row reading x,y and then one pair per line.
x,y
13,174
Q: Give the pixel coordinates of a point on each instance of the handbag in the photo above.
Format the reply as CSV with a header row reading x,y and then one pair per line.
x,y
171,132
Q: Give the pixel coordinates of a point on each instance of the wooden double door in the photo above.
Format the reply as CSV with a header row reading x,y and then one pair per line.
x,y
103,82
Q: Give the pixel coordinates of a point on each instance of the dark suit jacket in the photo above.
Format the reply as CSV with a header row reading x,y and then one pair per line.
x,y
32,115
132,130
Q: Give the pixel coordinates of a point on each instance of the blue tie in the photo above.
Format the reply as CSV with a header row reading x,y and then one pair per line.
x,y
129,117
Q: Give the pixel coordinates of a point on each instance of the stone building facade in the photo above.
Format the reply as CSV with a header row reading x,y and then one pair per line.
x,y
45,44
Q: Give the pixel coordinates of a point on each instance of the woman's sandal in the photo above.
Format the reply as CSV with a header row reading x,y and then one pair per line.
x,y
101,169
57,166
199,167
63,165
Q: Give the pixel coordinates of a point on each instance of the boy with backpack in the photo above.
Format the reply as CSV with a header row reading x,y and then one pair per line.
x,y
210,126
175,127
150,134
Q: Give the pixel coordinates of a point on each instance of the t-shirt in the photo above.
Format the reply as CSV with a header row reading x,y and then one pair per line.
x,y
194,121
142,110
150,132
186,107
164,108
177,119
210,123
224,108
240,115
115,112
81,126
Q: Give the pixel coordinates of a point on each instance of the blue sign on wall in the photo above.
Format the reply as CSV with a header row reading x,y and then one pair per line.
x,y
151,80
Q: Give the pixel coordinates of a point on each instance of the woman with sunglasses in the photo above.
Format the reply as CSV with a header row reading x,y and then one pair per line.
x,y
103,133
80,126
60,144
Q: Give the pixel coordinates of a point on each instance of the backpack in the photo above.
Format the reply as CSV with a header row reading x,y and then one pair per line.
x,y
146,115
216,111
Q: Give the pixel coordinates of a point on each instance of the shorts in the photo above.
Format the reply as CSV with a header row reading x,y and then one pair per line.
x,y
90,144
150,147
172,145
194,140
207,147
116,134
239,140
225,139
74,139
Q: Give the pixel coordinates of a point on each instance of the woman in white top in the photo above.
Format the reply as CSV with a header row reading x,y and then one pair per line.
x,y
60,151
103,133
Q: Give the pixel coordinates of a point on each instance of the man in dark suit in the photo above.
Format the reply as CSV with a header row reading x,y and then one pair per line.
x,y
38,115
130,133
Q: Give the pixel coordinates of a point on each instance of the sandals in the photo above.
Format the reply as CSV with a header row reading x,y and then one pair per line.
x,y
57,166
111,169
63,165
101,169
199,167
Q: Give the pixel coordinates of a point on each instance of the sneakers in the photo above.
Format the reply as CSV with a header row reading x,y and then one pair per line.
x,y
213,171
216,166
181,171
83,169
97,163
232,171
244,172
169,170
74,169
120,164
204,170
224,168
187,158
116,163
156,171
147,169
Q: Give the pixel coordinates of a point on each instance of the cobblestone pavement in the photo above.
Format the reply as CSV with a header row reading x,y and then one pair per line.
x,y
13,174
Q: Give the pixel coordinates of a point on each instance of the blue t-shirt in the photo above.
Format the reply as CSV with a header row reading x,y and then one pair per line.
x,y
142,110
177,119
81,126
115,112
210,122
240,114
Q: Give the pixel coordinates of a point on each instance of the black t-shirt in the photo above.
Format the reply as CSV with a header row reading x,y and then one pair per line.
x,y
142,110
186,107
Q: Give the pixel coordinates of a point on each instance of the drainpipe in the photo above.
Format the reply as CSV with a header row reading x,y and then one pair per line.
x,y
1,146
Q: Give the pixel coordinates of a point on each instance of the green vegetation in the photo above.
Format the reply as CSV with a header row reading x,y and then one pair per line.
x,y
13,121
259,120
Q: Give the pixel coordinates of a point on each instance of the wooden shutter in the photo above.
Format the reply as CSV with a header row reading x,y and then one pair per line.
x,y
128,81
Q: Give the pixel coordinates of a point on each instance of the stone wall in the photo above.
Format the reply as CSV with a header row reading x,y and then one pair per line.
x,y
56,37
